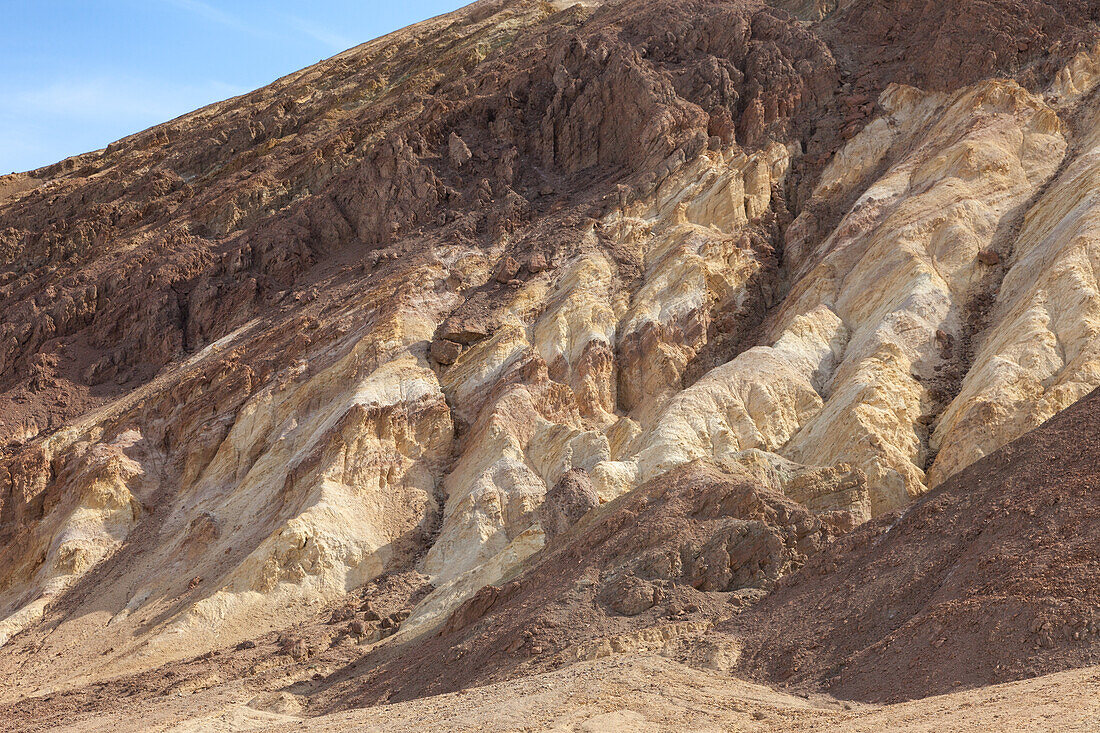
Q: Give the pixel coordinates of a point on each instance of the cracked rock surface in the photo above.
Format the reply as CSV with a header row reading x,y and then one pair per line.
x,y
626,312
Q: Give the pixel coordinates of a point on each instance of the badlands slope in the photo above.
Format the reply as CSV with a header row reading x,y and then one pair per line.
x,y
543,332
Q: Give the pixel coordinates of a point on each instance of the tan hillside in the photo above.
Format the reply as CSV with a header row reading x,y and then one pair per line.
x,y
543,333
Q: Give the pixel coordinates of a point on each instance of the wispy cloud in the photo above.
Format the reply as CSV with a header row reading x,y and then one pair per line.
x,y
44,118
217,16
324,36
286,25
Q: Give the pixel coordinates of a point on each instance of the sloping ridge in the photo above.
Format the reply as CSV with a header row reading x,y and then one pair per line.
x,y
541,332
993,577
649,571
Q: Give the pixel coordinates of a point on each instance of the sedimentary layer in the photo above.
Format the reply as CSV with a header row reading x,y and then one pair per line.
x,y
627,309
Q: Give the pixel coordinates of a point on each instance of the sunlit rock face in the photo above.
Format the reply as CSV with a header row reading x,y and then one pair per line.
x,y
363,321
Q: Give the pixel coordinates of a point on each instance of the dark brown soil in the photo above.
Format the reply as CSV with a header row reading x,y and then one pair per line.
x,y
679,549
995,576
943,45
118,264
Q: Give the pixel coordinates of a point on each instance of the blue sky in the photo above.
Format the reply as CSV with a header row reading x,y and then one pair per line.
x,y
79,74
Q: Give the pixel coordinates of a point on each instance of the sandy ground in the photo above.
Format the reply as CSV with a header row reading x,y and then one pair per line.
x,y
643,693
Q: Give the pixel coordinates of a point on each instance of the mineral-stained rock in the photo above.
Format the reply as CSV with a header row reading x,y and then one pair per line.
x,y
989,257
459,153
631,596
446,352
594,305
989,578
689,539
570,499
507,270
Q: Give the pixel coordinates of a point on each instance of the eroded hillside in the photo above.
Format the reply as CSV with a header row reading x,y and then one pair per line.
x,y
298,385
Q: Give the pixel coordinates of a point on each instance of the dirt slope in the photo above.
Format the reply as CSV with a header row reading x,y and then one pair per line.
x,y
540,332
990,578
669,557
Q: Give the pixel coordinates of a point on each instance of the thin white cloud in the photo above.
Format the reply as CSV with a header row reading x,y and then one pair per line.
x,y
216,15
293,25
324,36
289,26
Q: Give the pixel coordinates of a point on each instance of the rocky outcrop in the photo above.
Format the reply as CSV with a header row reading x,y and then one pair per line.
x,y
654,565
990,578
497,290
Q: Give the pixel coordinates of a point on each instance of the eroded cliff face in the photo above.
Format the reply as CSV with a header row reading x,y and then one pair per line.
x,y
419,308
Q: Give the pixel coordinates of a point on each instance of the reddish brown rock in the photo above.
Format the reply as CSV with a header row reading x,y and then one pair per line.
x,y
507,270
570,499
459,154
446,352
989,257
990,578
618,572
